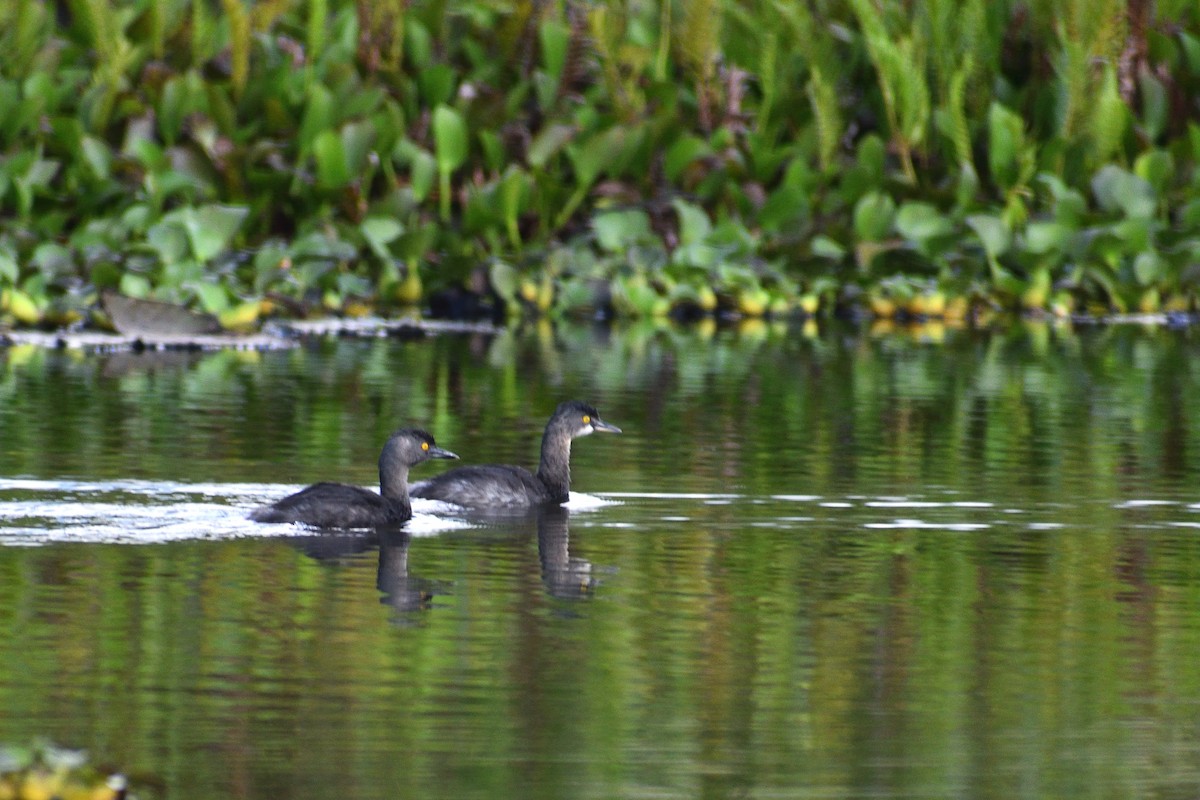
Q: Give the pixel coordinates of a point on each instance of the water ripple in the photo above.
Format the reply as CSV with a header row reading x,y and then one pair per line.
x,y
37,512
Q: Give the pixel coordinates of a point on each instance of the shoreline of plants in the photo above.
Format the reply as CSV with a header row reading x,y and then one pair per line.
x,y
772,159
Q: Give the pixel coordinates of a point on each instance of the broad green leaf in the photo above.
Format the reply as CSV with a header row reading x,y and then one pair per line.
x,y
418,42
41,171
1148,267
211,228
318,116
52,259
416,242
598,154
1189,215
1155,104
493,150
358,138
555,40
785,209
437,84
504,280
422,174
214,297
330,155
549,141
695,254
1190,44
379,233
872,155
825,247
1046,237
694,224
169,241
450,139
1117,189
514,192
616,231
97,155
9,270
1135,233
1157,168
685,151
919,222
873,216
992,231
134,285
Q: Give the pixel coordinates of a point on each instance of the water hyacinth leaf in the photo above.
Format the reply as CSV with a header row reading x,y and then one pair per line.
x,y
178,274
1156,167
418,42
600,152
211,228
379,232
616,231
549,142
330,155
416,242
555,39
684,152
1046,237
53,259
824,247
694,224
10,100
318,116
168,240
1189,215
214,298
1117,189
493,150
422,174
869,168
436,84
22,306
872,154
695,254
503,279
1155,105
785,209
357,140
1148,267
992,232
545,89
514,193
40,173
1135,233
920,222
9,270
134,285
873,216
450,139
97,155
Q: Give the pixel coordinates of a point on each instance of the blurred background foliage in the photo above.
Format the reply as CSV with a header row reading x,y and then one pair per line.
x,y
924,158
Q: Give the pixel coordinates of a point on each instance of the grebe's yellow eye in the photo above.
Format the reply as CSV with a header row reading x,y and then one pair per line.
x,y
424,445
586,419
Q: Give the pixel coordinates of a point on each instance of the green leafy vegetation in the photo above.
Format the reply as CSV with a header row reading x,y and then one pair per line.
x,y
926,158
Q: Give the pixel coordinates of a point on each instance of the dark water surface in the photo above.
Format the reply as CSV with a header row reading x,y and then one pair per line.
x,y
825,567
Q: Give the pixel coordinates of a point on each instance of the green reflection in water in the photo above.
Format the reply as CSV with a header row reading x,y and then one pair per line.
x,y
935,576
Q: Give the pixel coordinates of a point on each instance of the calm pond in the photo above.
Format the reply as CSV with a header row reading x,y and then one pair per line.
x,y
840,566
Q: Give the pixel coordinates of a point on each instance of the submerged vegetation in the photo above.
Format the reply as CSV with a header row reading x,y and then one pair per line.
x,y
929,158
